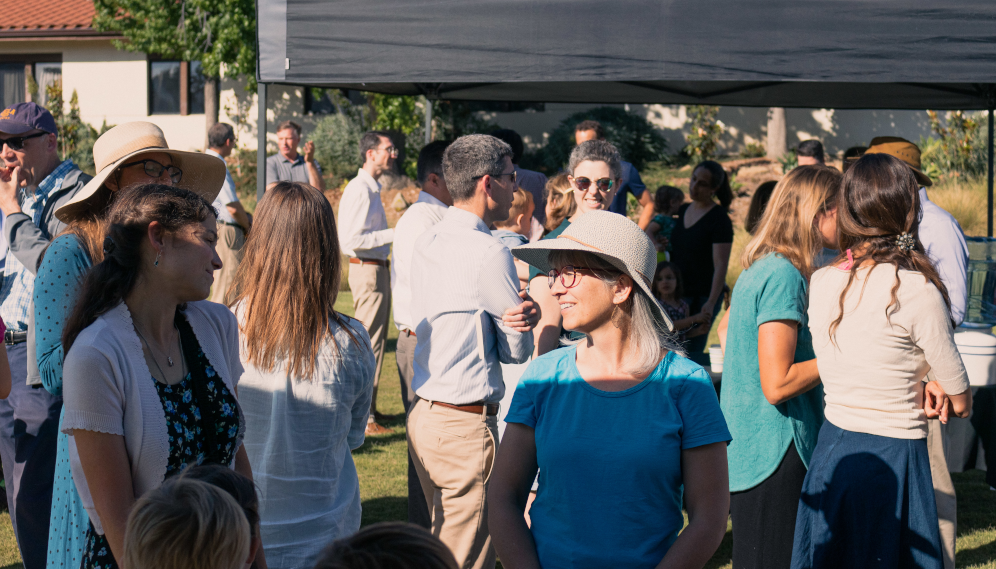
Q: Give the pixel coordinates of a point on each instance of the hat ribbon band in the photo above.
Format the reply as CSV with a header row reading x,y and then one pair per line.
x,y
637,271
132,146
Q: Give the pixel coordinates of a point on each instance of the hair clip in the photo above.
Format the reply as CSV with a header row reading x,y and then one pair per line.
x,y
109,246
906,242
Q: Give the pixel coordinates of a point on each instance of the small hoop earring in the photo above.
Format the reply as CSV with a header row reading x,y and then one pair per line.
x,y
158,254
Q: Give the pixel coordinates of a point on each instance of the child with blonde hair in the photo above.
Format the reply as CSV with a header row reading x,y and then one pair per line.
x,y
186,524
514,231
560,202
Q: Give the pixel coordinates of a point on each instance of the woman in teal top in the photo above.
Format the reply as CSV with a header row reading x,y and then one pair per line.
x,y
60,275
771,394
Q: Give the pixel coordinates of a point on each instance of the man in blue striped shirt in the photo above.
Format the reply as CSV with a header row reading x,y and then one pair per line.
x,y
34,182
469,318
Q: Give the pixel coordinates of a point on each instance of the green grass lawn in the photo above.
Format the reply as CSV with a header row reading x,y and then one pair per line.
x,y
382,466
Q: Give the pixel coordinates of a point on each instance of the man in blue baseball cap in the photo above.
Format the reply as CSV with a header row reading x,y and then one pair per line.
x,y
34,182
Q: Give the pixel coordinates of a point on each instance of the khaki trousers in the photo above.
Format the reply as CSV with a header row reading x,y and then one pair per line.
x,y
371,288
454,453
418,513
231,240
944,492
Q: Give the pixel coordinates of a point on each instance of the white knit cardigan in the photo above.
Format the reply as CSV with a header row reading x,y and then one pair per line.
x,y
108,388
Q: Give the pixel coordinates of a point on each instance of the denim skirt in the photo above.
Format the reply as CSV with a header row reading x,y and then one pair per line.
x,y
868,501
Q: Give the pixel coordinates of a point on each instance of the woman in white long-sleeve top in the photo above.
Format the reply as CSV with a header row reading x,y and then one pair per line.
x,y
881,321
309,376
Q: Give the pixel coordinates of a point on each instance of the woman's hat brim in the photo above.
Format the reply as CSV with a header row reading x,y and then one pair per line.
x,y
537,254
203,174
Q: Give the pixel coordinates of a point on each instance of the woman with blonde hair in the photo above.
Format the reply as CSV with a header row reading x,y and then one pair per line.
x,y
187,524
60,275
309,376
771,395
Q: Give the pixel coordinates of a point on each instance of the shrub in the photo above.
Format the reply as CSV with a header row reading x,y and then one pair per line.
x,y
635,137
337,143
753,150
76,137
703,138
958,147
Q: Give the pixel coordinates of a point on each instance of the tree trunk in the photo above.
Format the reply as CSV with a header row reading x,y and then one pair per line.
x,y
777,133
211,103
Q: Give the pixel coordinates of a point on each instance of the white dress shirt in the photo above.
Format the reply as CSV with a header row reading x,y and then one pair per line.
x,y
463,281
944,241
227,194
423,214
363,230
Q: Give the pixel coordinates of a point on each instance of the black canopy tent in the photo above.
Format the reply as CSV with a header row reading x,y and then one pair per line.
x,y
844,54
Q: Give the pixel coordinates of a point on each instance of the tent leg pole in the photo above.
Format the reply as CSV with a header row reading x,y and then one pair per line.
x,y
989,211
261,141
428,120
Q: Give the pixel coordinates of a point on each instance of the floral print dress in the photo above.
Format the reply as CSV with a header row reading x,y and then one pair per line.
x,y
187,438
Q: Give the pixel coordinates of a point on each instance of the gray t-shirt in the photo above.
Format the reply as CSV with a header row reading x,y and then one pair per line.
x,y
280,169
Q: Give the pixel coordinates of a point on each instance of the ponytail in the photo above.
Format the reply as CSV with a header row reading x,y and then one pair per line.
x,y
720,182
110,281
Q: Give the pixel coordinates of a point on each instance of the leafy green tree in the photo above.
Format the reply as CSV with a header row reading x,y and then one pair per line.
x,y
214,32
402,114
635,137
703,137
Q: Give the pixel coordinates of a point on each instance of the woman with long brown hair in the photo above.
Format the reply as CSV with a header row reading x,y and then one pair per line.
x,y
60,275
880,321
151,367
309,376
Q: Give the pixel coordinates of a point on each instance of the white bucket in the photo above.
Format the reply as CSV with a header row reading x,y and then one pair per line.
x,y
978,352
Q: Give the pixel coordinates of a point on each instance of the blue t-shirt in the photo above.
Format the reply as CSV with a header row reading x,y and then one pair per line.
x,y
610,462
631,184
771,289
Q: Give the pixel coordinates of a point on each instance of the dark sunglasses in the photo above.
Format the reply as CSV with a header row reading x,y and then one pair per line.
x,y
154,169
603,184
17,142
569,275
512,174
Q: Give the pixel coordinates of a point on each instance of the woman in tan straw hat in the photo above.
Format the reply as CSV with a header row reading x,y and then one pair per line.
x,y
594,172
128,155
609,495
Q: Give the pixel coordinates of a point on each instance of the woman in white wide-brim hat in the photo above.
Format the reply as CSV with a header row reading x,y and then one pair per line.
x,y
617,424
128,155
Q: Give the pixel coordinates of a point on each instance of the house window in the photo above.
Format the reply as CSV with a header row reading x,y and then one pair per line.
x,y
12,88
46,75
176,88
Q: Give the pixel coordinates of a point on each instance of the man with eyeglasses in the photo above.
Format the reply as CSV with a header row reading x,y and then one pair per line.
x,y
469,318
289,166
365,237
34,182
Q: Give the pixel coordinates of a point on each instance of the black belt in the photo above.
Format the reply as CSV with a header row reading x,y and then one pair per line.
x,y
11,337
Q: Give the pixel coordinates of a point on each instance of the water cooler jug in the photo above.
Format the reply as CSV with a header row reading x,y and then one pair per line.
x,y
975,340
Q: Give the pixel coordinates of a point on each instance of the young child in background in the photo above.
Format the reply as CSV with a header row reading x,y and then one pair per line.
x,y
667,200
186,524
388,545
514,231
667,287
239,487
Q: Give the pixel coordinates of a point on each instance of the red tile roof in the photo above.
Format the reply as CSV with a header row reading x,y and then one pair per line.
x,y
46,16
